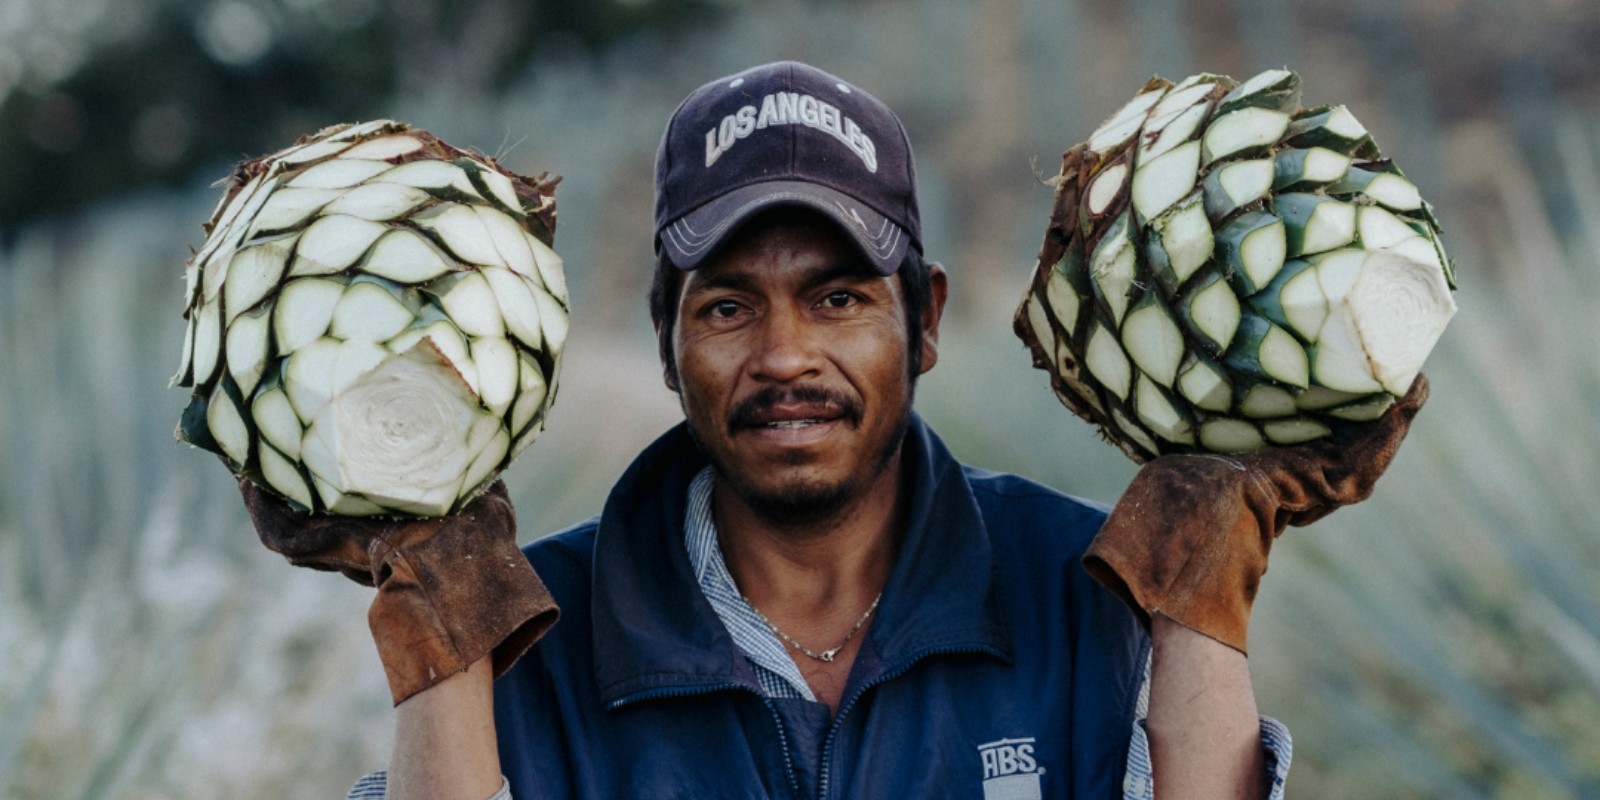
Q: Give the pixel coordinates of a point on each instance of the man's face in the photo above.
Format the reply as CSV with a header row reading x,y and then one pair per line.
x,y
792,366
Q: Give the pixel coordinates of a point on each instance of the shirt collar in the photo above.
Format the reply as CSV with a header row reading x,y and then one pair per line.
x,y
654,634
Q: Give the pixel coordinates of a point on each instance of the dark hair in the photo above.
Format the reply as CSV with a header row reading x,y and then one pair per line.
x,y
916,290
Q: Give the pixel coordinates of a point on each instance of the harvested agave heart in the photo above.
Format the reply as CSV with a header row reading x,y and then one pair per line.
x,y
375,322
1225,270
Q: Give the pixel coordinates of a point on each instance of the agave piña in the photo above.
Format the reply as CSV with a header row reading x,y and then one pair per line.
x,y
1225,270
375,322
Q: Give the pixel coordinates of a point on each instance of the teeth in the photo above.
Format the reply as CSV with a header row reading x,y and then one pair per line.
x,y
793,423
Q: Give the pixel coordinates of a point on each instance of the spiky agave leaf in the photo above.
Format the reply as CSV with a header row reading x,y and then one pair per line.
x,y
1225,270
375,321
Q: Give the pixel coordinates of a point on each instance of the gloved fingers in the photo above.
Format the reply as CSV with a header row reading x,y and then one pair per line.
x,y
317,541
1323,476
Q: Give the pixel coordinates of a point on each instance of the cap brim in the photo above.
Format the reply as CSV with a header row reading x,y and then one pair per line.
x,y
698,234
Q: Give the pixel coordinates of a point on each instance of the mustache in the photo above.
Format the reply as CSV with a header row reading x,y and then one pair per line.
x,y
749,412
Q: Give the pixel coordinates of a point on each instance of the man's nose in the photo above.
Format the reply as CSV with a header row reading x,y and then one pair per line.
x,y
786,347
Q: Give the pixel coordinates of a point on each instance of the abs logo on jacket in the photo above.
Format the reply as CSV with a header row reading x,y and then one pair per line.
x,y
1010,772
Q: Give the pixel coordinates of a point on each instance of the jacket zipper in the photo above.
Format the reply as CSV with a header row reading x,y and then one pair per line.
x,y
838,721
777,719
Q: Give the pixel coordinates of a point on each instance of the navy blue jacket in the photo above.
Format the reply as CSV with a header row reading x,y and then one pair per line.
x,y
994,664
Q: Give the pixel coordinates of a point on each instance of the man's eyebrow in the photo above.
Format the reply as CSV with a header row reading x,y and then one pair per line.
x,y
848,270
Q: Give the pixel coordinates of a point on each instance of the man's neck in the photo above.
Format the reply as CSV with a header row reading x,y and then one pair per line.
x,y
829,567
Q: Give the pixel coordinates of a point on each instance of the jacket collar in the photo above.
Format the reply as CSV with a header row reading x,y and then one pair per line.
x,y
656,634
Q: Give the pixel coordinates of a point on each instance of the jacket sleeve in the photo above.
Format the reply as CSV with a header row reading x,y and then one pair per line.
x,y
1138,782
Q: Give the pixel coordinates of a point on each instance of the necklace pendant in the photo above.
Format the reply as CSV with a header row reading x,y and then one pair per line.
x,y
827,655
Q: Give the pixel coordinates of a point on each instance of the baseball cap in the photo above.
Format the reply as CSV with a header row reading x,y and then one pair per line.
x,y
781,134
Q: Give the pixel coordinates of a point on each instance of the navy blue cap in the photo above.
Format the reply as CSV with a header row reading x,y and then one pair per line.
x,y
785,134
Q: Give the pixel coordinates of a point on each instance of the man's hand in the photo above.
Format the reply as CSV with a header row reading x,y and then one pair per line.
x,y
1190,536
451,590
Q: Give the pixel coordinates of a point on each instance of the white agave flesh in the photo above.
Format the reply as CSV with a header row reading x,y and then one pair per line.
x,y
471,304
1126,122
234,233
303,311
551,273
1400,308
487,463
1105,187
508,239
501,189
519,309
318,372
283,478
1223,435
1304,304
339,173
334,243
1239,183
1421,250
425,175
1379,229
354,505
1365,411
1064,301
1295,431
307,153
378,202
1038,321
1178,131
207,343
246,347
384,148
1132,430
400,436
1165,180
228,428
214,274
1264,400
496,360
364,130
1205,387
1215,311
553,321
1154,342
445,340
1158,413
289,208
1107,361
457,226
183,377
1242,130
531,391
406,257
1319,398
1186,236
1176,103
369,312
275,419
1394,191
222,220
1256,83
253,273
1112,267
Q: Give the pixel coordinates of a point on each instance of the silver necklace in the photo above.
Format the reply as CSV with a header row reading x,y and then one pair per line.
x,y
826,655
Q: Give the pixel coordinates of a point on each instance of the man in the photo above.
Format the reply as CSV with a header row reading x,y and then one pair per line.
x,y
798,592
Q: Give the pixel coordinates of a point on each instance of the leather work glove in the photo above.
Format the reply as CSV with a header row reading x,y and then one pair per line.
x,y
450,589
1189,538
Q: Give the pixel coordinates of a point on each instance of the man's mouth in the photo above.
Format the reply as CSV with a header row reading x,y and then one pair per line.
x,y
792,409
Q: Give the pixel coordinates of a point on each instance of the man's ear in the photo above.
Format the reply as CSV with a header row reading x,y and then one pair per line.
x,y
939,285
669,366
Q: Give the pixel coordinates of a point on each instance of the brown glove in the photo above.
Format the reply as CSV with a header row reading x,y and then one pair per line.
x,y
1190,536
450,589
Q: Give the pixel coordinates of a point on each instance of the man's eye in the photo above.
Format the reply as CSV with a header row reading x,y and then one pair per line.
x,y
839,299
724,309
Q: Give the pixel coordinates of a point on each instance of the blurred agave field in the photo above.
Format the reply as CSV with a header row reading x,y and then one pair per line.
x,y
1440,640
